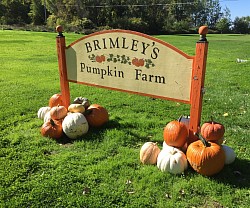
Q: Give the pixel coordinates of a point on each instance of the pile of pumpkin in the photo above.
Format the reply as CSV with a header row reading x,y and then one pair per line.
x,y
73,121
207,155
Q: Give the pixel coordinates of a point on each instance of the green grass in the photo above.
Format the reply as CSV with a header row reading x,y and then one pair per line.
x,y
39,172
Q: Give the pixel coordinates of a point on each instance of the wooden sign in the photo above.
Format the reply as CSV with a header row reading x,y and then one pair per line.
x,y
137,63
132,62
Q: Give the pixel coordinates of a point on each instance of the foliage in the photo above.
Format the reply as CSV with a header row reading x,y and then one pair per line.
x,y
102,169
148,16
223,25
14,12
242,25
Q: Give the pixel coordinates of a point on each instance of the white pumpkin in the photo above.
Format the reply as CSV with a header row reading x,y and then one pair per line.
x,y
165,146
76,108
42,111
183,148
229,154
172,160
75,125
149,153
47,117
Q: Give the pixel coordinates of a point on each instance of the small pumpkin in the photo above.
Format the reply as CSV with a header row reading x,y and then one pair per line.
x,y
42,111
96,115
58,112
75,125
229,154
212,131
175,134
81,100
172,160
149,153
52,129
76,108
55,100
206,158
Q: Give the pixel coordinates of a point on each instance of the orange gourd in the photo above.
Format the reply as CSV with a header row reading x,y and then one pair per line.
x,y
52,129
212,131
96,115
55,100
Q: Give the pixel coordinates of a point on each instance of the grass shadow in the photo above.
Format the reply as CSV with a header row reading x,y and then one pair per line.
x,y
98,134
236,174
94,133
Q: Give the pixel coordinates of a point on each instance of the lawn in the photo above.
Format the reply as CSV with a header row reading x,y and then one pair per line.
x,y
102,169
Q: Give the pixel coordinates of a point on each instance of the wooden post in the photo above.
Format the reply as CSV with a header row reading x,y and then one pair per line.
x,y
197,84
64,84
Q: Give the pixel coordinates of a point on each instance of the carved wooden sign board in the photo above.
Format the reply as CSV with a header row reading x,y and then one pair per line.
x,y
133,62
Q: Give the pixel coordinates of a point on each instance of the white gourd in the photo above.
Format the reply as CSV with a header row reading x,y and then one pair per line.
x,y
149,153
42,111
229,154
75,125
76,108
172,160
47,117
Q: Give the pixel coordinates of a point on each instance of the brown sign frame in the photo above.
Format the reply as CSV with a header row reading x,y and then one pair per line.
x,y
196,80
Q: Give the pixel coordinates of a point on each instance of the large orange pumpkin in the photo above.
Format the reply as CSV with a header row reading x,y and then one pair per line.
x,y
96,115
175,134
207,158
52,129
55,100
212,131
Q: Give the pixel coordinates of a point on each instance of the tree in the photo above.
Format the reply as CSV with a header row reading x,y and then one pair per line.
x,y
16,11
37,12
242,25
224,24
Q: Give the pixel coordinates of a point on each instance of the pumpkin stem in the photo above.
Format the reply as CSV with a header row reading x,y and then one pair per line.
x,y
204,141
179,119
212,119
52,122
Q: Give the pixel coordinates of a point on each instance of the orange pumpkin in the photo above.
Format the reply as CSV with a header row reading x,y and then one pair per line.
x,y
212,131
58,112
55,100
175,134
52,129
206,158
96,115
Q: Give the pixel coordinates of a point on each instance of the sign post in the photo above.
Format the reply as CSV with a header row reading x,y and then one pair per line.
x,y
133,62
64,83
197,88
